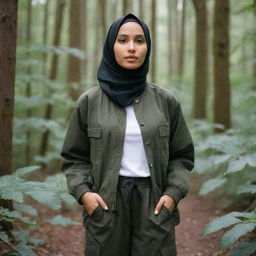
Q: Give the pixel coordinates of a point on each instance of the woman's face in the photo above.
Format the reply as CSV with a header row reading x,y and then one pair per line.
x,y
130,47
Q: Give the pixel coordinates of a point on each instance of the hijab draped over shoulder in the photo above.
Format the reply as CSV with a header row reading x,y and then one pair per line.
x,y
122,85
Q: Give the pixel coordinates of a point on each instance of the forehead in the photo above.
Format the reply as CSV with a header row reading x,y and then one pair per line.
x,y
130,28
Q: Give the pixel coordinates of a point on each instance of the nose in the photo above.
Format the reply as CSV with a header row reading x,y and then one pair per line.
x,y
131,46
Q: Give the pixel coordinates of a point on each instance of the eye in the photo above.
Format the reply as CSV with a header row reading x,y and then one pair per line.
x,y
140,41
122,40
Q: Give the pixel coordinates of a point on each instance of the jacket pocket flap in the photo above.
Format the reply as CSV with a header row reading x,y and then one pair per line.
x,y
164,130
94,132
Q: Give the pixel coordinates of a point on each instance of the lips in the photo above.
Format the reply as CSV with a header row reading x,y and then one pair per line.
x,y
131,58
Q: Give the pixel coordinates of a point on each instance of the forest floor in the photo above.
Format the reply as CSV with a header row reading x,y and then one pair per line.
x,y
196,212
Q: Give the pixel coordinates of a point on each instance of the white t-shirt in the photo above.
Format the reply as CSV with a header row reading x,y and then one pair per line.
x,y
134,162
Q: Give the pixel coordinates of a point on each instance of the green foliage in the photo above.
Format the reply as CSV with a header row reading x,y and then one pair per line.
x,y
51,192
59,220
245,249
242,222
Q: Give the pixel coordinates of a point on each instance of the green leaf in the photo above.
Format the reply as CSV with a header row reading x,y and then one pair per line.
x,y
251,160
236,165
36,240
4,237
59,220
25,208
10,188
25,170
24,250
219,223
47,198
211,185
11,215
236,232
21,235
246,189
245,249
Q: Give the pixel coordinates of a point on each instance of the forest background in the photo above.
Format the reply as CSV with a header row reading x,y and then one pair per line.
x,y
202,50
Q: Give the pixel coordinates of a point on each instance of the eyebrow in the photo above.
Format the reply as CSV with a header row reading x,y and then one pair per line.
x,y
139,35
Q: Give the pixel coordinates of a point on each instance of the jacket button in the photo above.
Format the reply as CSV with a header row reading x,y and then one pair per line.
x,y
137,101
142,124
151,165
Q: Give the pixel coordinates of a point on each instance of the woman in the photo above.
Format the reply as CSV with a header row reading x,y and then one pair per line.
x,y
128,152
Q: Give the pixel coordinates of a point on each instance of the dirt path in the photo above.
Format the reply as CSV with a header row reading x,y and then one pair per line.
x,y
195,211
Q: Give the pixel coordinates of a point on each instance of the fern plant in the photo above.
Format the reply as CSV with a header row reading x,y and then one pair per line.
x,y
51,192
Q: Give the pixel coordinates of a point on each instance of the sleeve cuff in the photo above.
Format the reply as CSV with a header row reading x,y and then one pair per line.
x,y
175,193
79,191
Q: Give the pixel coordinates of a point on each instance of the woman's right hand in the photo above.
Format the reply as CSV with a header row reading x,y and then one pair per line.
x,y
91,200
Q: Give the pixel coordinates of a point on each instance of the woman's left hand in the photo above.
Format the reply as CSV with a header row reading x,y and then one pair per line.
x,y
166,201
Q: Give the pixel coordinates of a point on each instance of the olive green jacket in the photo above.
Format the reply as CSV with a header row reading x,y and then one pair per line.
x,y
93,146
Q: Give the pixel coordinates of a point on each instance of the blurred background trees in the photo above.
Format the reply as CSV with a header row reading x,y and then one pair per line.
x,y
202,50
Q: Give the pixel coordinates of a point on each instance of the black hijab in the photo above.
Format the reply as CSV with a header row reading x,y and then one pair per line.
x,y
122,85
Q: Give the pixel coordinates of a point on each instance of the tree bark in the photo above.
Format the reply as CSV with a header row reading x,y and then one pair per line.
x,y
221,64
28,86
45,35
53,71
201,60
170,39
8,31
141,9
83,38
74,64
254,53
154,41
181,45
125,7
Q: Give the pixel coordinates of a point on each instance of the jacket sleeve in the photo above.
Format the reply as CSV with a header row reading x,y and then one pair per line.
x,y
181,158
76,153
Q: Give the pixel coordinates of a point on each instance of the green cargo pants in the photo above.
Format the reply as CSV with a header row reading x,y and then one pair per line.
x,y
134,229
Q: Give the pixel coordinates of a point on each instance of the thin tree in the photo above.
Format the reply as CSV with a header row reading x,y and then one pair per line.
x,y
45,35
181,45
125,6
74,64
221,64
8,31
154,41
28,86
201,60
141,9
254,52
53,70
170,39
83,37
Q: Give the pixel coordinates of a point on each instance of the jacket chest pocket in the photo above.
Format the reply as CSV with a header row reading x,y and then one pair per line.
x,y
164,136
95,134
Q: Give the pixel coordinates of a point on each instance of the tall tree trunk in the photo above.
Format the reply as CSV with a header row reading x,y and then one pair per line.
x,y
97,44
103,23
154,41
45,35
74,64
8,31
221,64
113,12
170,39
28,86
125,6
53,70
254,54
141,9
175,36
181,45
201,60
83,38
